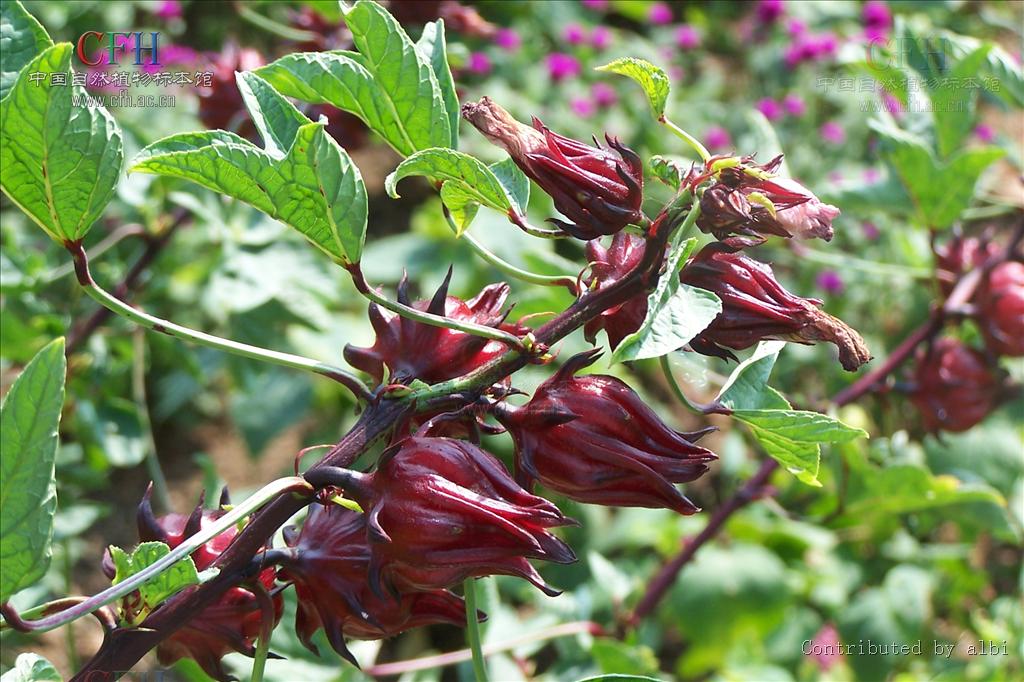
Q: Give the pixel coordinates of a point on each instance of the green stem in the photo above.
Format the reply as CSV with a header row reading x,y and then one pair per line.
x,y
101,296
690,139
666,369
249,506
259,660
508,268
473,631
156,474
107,243
429,318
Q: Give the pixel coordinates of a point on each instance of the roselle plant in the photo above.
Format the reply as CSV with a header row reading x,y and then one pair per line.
x,y
396,544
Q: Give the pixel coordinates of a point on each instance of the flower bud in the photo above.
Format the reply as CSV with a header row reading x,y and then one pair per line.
x,y
329,570
600,190
414,350
959,256
593,439
748,199
232,623
441,510
755,307
608,266
954,387
1001,309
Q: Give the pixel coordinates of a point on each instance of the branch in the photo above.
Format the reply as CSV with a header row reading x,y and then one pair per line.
x,y
104,298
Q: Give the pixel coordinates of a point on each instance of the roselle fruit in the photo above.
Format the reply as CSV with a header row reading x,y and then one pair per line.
x,y
221,106
329,569
755,307
607,266
748,199
1000,301
232,623
954,387
440,510
413,350
598,189
593,439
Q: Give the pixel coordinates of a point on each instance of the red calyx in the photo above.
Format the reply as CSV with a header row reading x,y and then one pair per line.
x,y
232,623
593,439
954,387
330,572
1000,302
608,266
413,350
441,510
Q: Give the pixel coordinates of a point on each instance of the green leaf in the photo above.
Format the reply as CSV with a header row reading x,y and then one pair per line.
x,y
954,108
31,668
904,488
315,188
22,38
276,119
460,204
58,162
669,170
515,183
403,81
156,590
747,386
676,313
651,78
433,47
940,191
29,418
791,437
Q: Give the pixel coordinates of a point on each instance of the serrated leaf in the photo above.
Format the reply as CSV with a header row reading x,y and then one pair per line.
x,y
671,171
747,386
940,191
515,183
651,78
954,108
58,162
676,313
29,418
276,119
434,48
314,188
791,437
22,38
158,589
31,668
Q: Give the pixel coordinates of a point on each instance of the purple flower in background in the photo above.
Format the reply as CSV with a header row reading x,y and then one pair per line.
x,y
687,37
825,647
600,37
892,104
769,10
871,231
561,66
582,106
836,178
717,137
771,109
985,133
479,63
173,54
574,34
830,282
794,104
660,13
871,175
832,132
508,39
877,15
168,9
598,5
603,95
795,27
